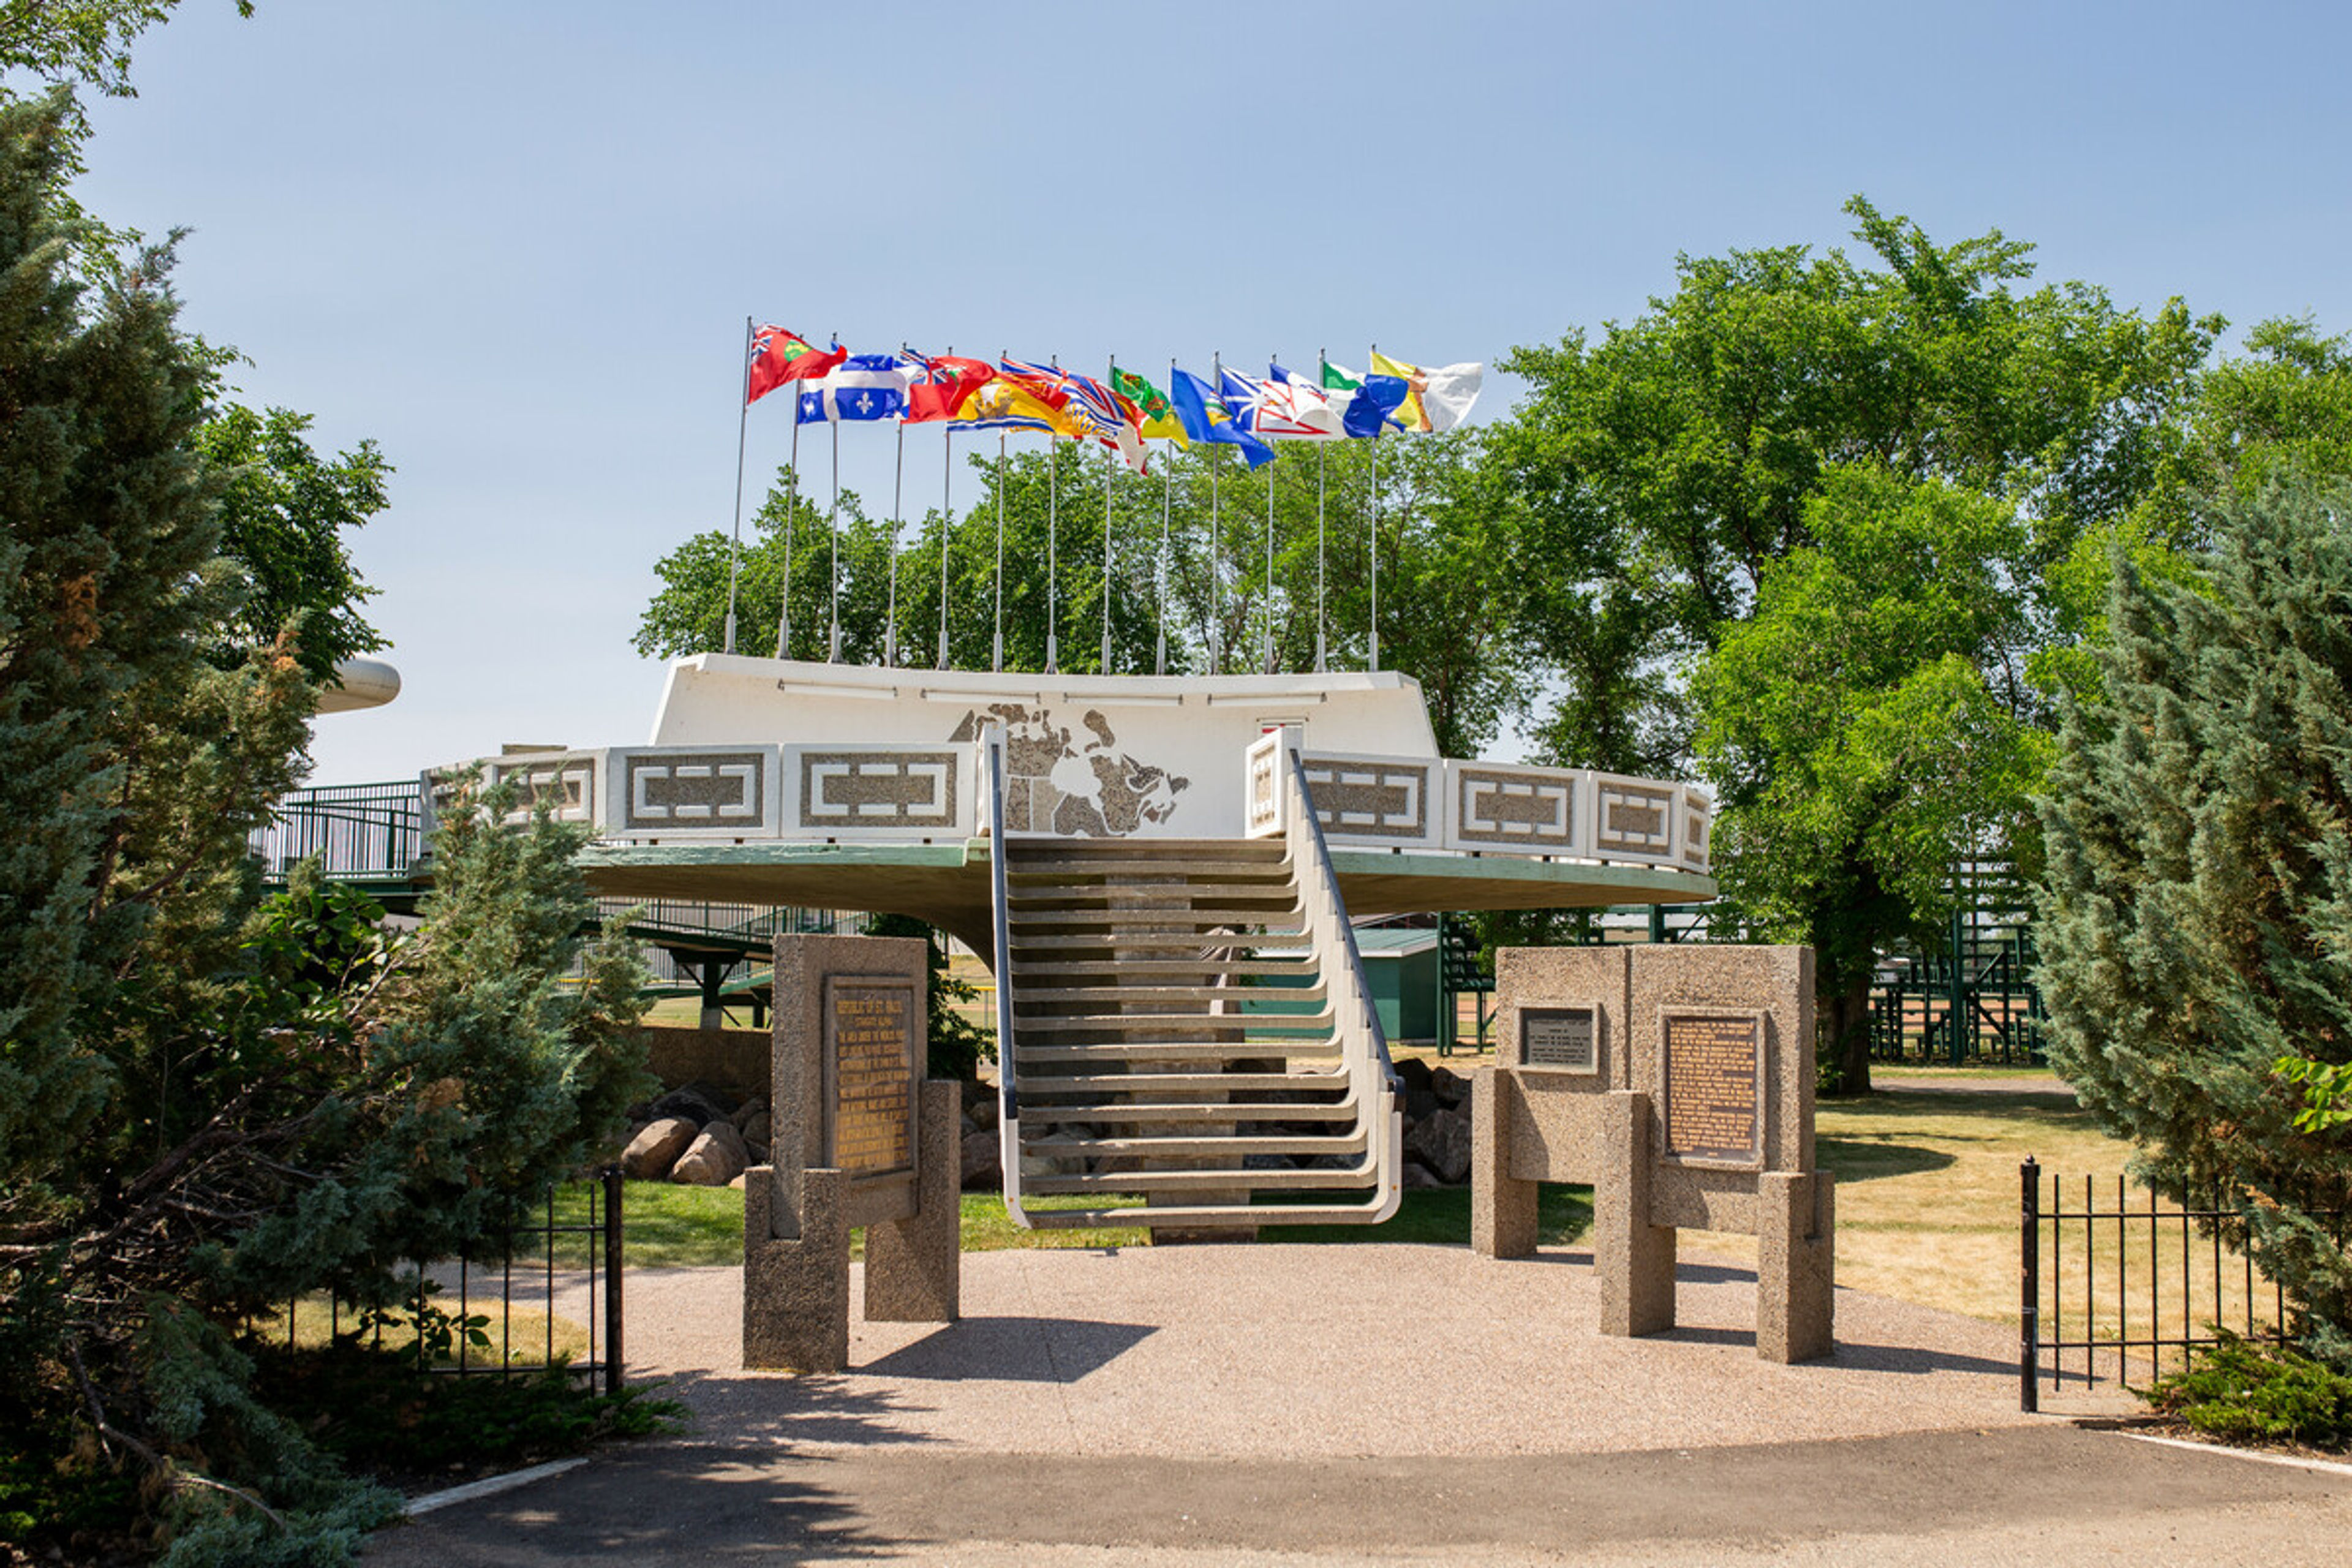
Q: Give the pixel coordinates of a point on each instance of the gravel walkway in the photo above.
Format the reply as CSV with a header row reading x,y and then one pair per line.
x,y
1291,1351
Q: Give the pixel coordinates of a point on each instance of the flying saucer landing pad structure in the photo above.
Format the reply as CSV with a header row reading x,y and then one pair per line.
x,y
780,782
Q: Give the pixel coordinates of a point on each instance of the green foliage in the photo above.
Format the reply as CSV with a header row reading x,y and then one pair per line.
x,y
85,41
2326,1090
2241,1391
1449,573
956,1046
2197,923
283,515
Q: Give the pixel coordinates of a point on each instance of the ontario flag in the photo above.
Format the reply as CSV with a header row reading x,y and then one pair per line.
x,y
778,356
939,386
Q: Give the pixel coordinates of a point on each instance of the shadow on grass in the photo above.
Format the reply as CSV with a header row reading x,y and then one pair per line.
x,y
2045,1111
1868,1160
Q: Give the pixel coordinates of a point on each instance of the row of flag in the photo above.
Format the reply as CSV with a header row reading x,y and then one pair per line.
x,y
1236,410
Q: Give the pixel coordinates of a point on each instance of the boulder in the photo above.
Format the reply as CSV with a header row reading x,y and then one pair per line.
x,y
756,1129
746,1112
1413,1073
1441,1142
652,1153
982,1161
1414,1176
700,1103
1450,1086
714,1159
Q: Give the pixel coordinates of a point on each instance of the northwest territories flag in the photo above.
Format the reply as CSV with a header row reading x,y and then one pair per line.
x,y
1206,418
863,386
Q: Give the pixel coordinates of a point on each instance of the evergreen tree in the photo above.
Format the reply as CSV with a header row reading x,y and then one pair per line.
x,y
2197,922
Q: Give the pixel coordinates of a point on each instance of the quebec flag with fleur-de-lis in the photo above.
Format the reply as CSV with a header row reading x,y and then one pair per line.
x,y
863,386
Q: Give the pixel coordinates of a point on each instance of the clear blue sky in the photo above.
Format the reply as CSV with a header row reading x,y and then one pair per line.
x,y
516,244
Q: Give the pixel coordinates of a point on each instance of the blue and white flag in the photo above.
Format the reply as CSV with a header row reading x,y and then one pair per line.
x,y
863,386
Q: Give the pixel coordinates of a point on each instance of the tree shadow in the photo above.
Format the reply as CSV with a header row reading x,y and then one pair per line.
x,y
1854,1160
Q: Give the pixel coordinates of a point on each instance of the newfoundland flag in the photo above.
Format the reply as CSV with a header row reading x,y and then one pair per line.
x,y
863,386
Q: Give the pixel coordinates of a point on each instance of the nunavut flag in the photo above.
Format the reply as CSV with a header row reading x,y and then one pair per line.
x,y
778,356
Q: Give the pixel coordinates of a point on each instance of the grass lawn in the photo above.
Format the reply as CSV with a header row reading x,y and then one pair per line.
x,y
1927,1194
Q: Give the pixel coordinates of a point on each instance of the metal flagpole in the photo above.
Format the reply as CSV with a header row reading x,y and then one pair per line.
x,y
1110,472
792,517
1373,640
1053,547
1216,641
947,521
832,540
1167,507
898,513
1269,568
735,544
1269,559
997,657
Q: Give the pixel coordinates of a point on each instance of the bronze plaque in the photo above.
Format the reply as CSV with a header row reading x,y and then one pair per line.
x,y
1714,1072
1564,1039
869,1055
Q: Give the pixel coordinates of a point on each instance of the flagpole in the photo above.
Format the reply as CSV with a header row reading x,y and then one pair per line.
x,y
742,425
947,517
1167,507
996,658
1373,640
1269,555
1053,547
791,516
1322,469
897,514
1110,466
1216,527
833,540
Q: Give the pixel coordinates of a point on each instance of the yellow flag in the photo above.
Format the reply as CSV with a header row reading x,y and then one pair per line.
x,y
1412,415
1000,403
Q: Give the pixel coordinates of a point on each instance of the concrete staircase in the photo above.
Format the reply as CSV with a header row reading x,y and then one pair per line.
x,y
1129,1066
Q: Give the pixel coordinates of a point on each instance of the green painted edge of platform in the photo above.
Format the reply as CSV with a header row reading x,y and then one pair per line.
x,y
1688,887
950,857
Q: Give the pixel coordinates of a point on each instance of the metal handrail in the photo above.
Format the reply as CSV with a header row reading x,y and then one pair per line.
x,y
1364,1045
1008,1097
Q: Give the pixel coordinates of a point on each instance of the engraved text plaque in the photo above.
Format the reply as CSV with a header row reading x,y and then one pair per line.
x,y
870,1047
1714,1073
1563,1040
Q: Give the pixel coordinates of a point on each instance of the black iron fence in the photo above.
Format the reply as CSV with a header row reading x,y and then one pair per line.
x,y
532,1302
365,832
2119,1293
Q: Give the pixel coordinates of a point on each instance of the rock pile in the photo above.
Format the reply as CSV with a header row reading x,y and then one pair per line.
x,y
698,1135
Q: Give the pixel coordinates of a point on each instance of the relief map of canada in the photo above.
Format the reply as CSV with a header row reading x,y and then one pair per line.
x,y
1078,786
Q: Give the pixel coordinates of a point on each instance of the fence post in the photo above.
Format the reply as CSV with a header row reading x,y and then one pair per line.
x,y
612,1315
2029,1320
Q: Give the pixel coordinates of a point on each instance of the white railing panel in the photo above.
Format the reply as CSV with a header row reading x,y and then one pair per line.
x,y
692,793
1262,787
1502,807
1634,819
1395,802
878,793
575,777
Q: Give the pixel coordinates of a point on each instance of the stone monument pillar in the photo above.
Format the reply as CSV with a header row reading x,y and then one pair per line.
x,y
1679,1082
861,1138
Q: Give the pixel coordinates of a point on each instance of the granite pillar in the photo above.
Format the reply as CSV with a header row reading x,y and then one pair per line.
x,y
1796,1254
1634,1259
1502,1208
796,1288
913,1265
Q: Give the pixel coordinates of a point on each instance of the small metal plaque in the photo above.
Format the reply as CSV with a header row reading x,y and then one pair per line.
x,y
1714,1073
1562,1039
869,1053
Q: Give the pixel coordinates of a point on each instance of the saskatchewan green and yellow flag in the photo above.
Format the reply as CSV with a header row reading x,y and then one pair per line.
x,y
1158,416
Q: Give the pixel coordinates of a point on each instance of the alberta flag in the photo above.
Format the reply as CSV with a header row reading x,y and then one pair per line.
x,y
863,386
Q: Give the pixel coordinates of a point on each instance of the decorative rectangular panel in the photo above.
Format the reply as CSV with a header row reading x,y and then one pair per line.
x,y
1698,824
1366,799
1513,808
1265,815
1634,818
571,777
850,790
679,791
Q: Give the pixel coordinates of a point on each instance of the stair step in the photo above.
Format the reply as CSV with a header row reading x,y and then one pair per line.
x,y
1155,968
1176,1082
1110,1051
1139,993
1231,1145
1144,1023
1116,942
1187,1111
1291,1180
1207,1216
